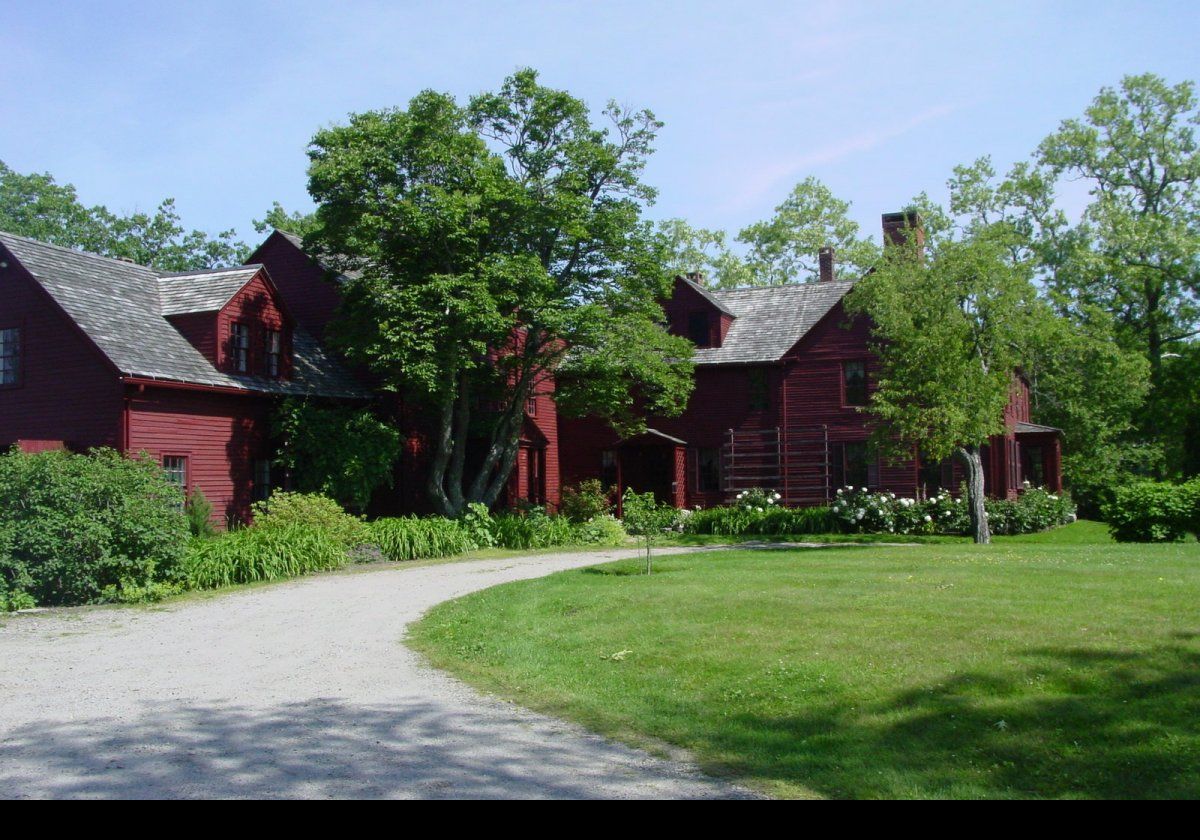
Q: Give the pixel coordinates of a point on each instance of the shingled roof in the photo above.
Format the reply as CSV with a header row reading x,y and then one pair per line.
x,y
202,291
768,320
122,308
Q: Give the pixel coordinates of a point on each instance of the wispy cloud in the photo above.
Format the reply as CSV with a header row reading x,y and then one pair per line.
x,y
758,182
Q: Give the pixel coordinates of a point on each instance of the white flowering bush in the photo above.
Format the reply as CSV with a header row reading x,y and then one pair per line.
x,y
758,499
858,510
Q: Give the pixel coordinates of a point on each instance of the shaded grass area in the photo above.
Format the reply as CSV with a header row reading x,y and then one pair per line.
x,y
1025,669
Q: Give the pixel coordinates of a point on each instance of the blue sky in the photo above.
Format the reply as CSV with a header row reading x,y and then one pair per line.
x,y
213,103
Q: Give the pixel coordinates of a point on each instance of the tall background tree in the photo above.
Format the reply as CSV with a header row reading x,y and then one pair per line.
x,y
487,246
36,206
1138,254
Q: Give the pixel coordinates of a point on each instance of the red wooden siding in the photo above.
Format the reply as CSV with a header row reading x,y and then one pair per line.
x,y
307,291
200,329
68,391
220,435
256,307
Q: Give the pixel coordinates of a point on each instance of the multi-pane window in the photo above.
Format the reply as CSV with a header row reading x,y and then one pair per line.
x,y
274,352
175,470
699,329
850,465
531,406
760,398
10,356
608,468
239,347
262,479
708,470
854,383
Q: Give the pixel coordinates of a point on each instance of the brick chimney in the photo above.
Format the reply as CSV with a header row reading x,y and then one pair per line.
x,y
828,271
897,226
696,277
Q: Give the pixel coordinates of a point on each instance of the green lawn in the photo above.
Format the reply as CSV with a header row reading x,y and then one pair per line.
x,y
1057,665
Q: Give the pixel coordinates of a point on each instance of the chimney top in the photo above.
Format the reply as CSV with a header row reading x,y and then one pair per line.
x,y
896,227
696,277
828,271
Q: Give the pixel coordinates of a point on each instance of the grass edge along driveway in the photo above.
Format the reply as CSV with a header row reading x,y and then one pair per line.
x,y
1056,666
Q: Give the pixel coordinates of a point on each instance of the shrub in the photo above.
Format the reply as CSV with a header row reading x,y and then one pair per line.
x,y
1034,510
584,502
417,538
757,499
313,510
77,529
339,451
604,530
738,521
478,522
1149,511
252,554
198,510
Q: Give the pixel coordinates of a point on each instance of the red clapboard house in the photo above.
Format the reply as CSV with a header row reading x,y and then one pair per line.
x,y
310,289
781,375
184,367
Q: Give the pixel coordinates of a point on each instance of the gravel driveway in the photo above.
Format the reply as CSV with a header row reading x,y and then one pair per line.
x,y
301,689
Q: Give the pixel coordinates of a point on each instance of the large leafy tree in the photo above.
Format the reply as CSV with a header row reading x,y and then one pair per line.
x,y
689,250
1083,379
488,247
36,206
952,324
1136,148
784,249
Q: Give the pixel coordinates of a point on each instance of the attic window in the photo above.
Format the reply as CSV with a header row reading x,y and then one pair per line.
x,y
239,347
10,357
699,330
854,383
274,352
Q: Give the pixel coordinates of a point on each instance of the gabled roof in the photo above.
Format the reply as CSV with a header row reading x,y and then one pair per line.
x,y
1024,428
118,305
298,241
769,320
706,294
202,291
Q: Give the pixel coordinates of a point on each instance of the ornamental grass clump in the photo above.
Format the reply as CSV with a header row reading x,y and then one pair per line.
x,y
253,554
404,538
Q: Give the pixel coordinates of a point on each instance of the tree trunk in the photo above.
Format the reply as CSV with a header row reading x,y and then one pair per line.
x,y
979,521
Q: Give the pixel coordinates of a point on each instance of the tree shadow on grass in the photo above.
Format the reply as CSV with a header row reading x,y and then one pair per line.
x,y
324,749
1060,723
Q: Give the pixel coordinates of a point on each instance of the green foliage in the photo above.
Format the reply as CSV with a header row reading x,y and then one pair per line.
x,y
313,510
1149,511
478,522
300,224
584,501
419,538
254,554
861,511
1034,510
484,241
198,510
38,207
336,451
689,250
602,530
534,529
785,248
77,529
771,521
644,517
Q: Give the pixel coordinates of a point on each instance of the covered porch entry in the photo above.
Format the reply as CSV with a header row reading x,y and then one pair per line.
x,y
652,462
